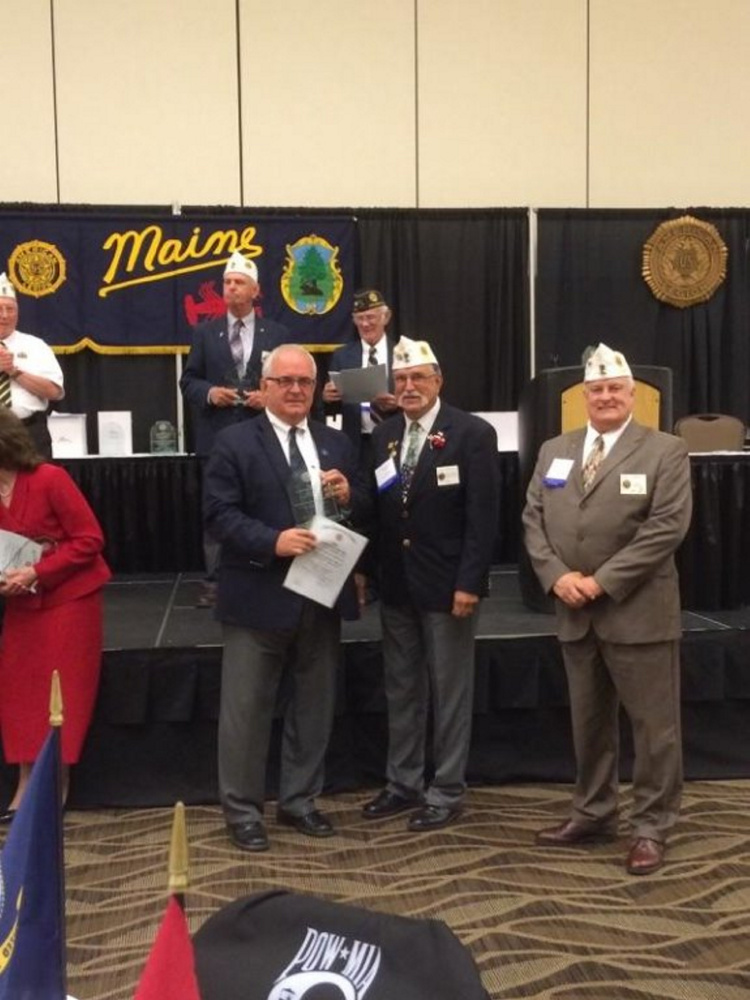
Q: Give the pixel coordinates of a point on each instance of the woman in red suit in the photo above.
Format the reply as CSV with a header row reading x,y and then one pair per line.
x,y
53,608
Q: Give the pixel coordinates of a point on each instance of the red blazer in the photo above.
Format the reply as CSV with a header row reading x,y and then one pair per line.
x,y
48,507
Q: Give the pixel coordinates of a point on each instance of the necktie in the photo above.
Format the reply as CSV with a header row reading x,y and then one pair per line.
x,y
410,459
375,415
5,393
594,460
302,497
235,346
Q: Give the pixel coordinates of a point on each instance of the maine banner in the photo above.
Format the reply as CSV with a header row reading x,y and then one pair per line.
x,y
128,283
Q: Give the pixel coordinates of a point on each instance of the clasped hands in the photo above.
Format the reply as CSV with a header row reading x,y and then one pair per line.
x,y
297,541
577,590
222,396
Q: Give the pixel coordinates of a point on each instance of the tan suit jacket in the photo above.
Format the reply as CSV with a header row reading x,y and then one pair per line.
x,y
624,530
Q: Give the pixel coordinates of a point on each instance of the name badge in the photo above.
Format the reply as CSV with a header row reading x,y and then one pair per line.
x,y
386,474
633,484
448,475
558,472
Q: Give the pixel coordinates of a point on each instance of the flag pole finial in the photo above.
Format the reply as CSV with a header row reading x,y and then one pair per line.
x,y
55,701
178,852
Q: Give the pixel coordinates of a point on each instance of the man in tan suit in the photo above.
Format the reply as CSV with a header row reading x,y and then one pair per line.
x,y
606,509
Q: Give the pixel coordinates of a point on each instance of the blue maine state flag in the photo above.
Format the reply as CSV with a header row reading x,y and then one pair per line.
x,y
32,908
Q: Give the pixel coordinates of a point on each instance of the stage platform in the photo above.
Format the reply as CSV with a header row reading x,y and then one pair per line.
x,y
153,739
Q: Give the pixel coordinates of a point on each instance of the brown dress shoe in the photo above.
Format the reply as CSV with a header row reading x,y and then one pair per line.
x,y
576,831
644,856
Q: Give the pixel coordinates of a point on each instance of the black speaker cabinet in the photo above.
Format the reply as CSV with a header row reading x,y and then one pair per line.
x,y
552,403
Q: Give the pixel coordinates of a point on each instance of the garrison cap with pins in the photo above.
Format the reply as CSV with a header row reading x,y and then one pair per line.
x,y
239,264
367,298
603,362
410,353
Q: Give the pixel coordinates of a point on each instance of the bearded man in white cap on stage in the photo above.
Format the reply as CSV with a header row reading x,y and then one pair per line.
x,y
221,378
30,374
606,509
436,470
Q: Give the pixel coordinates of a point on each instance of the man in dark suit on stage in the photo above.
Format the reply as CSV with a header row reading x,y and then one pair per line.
x,y
436,470
373,346
260,476
607,507
221,378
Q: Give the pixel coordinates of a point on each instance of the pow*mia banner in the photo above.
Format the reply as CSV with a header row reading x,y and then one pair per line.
x,y
138,284
283,946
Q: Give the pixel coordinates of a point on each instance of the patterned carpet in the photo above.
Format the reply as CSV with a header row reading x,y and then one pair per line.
x,y
541,923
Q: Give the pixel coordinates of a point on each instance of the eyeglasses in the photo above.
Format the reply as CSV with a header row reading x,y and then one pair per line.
x,y
287,381
418,378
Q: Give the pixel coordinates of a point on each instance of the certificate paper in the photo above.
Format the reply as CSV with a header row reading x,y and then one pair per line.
x,y
321,574
360,385
17,550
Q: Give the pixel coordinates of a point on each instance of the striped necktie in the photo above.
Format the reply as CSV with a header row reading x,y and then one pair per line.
x,y
5,390
375,415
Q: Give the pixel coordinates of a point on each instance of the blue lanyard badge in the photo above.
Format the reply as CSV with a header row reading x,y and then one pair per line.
x,y
386,474
558,472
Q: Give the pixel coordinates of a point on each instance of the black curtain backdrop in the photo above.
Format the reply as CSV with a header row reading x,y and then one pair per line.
x,y
458,279
590,289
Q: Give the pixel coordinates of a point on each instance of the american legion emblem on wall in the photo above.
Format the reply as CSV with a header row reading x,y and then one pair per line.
x,y
684,261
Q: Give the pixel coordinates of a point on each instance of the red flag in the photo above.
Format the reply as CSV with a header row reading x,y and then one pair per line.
x,y
169,973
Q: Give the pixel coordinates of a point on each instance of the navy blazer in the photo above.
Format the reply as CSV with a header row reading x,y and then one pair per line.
x,y
210,363
441,539
350,356
246,506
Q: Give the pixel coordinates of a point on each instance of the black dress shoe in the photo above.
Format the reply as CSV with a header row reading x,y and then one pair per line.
x,y
7,817
389,804
576,831
250,836
207,598
433,818
312,824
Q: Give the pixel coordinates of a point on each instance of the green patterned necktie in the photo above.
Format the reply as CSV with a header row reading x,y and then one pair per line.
x,y
411,458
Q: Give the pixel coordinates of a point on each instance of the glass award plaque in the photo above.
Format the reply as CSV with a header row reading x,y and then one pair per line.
x,y
163,438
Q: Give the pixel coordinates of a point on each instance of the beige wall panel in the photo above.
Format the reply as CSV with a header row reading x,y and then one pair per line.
x,y
502,102
147,97
27,165
328,102
670,90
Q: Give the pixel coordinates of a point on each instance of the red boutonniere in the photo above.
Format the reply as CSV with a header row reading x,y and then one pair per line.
x,y
437,440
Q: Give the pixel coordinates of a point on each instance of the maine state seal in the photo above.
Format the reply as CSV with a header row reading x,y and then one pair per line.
x,y
684,261
36,268
312,282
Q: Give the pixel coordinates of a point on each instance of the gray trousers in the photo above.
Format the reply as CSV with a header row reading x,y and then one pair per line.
x,y
428,658
258,666
645,679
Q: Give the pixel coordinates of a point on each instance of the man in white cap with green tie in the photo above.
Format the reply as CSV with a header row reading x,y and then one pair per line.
x,y
30,374
438,500
606,509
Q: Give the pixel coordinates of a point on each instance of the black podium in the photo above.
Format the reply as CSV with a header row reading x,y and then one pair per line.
x,y
552,403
